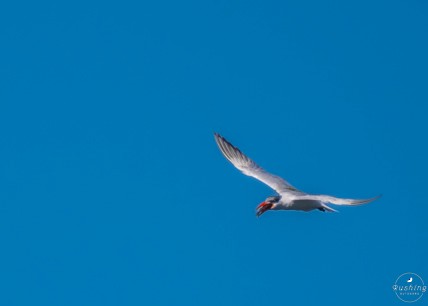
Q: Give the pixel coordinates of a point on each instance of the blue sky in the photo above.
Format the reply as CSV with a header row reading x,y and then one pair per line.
x,y
114,192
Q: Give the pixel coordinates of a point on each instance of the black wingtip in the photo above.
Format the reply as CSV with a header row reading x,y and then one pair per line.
x,y
217,137
378,197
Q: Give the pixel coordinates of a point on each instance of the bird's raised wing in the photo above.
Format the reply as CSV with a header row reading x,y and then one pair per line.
x,y
249,167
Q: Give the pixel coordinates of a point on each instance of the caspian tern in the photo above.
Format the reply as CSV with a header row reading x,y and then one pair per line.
x,y
289,197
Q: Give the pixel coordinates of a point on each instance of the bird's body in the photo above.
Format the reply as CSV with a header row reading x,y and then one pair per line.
x,y
294,203
289,197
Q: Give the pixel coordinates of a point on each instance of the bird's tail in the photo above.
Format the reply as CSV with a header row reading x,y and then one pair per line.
x,y
329,209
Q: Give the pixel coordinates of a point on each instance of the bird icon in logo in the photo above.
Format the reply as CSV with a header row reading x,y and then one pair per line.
x,y
410,280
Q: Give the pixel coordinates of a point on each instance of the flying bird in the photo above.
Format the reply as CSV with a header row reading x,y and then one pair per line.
x,y
289,197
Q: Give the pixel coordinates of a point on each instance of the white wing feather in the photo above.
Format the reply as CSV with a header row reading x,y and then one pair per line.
x,y
337,201
250,168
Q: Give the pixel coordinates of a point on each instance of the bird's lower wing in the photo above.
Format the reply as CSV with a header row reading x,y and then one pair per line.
x,y
339,201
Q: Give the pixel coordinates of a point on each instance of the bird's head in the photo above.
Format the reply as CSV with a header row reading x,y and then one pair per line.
x,y
267,204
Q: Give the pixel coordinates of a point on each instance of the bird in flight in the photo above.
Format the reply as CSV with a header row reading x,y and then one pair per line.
x,y
289,197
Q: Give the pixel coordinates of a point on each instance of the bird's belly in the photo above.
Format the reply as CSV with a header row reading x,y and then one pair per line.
x,y
305,205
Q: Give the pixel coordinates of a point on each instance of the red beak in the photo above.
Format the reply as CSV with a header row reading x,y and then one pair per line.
x,y
262,208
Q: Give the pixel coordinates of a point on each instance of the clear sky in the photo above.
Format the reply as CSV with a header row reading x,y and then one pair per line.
x,y
113,191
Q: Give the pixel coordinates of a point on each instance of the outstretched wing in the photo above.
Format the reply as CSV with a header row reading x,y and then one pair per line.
x,y
337,201
249,167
